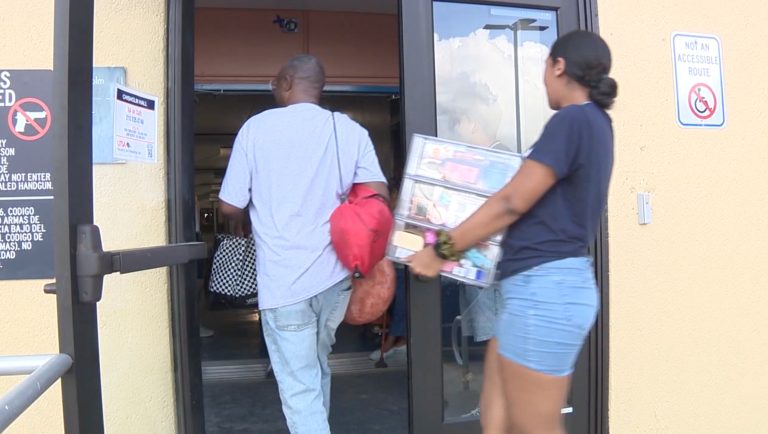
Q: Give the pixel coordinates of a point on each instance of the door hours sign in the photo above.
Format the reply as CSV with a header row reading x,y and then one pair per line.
x,y
700,98
135,122
26,164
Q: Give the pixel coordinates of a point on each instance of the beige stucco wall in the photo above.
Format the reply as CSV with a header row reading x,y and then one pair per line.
x,y
689,294
27,316
130,208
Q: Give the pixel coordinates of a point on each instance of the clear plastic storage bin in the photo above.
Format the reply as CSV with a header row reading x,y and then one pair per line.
x,y
446,182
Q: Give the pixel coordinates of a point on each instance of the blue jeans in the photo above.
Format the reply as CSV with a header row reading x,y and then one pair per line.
x,y
299,339
479,309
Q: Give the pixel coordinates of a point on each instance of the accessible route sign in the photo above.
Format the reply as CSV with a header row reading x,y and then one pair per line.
x,y
700,99
26,165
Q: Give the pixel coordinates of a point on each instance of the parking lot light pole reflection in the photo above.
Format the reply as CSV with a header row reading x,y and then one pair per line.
x,y
521,25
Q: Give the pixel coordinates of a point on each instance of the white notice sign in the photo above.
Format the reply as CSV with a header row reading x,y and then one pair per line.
x,y
135,135
700,99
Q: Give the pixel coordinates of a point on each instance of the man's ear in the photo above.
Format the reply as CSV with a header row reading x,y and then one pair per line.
x,y
288,83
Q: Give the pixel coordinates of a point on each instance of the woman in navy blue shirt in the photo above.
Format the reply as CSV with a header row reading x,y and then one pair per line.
x,y
551,210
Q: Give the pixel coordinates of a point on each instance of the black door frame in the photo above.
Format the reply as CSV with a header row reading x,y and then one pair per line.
x,y
73,202
78,330
419,116
425,323
73,207
185,321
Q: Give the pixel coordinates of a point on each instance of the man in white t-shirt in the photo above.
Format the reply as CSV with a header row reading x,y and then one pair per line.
x,y
284,171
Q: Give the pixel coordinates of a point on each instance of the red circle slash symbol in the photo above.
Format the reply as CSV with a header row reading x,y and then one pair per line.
x,y
36,115
702,101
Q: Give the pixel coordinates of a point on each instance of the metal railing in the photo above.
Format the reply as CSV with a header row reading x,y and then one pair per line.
x,y
43,371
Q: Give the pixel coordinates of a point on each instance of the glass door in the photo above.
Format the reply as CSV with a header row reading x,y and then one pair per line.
x,y
473,72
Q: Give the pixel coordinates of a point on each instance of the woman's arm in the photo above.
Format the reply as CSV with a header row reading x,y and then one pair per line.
x,y
500,211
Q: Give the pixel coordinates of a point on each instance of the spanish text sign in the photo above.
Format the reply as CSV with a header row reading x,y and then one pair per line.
x,y
700,98
26,174
135,125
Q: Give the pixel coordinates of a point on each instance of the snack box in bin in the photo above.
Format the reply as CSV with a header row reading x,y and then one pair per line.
x,y
445,182
477,267
436,205
478,169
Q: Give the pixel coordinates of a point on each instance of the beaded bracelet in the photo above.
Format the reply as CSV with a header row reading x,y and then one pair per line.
x,y
444,248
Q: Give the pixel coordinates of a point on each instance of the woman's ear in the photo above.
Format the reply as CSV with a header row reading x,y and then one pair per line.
x,y
558,67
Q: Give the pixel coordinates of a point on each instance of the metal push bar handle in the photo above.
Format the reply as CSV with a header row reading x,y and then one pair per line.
x,y
44,370
93,263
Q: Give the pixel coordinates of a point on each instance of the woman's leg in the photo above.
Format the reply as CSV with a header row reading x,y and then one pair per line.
x,y
548,312
533,400
493,406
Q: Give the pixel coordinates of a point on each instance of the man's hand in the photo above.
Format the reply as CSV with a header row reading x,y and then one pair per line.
x,y
238,220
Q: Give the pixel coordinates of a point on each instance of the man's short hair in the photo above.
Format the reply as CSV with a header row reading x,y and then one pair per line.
x,y
306,69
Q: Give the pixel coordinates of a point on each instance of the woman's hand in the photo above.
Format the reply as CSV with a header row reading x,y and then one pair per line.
x,y
425,263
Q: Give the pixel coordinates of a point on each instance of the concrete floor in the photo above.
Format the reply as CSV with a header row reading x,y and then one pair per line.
x,y
371,403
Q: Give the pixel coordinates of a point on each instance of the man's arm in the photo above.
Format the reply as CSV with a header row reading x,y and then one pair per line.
x,y
235,194
368,171
380,188
238,221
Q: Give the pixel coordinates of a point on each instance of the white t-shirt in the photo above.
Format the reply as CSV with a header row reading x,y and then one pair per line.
x,y
283,167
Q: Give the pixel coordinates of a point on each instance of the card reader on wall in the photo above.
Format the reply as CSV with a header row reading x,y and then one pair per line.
x,y
644,212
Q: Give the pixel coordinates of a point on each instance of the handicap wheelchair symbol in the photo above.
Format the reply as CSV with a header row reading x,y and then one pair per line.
x,y
702,101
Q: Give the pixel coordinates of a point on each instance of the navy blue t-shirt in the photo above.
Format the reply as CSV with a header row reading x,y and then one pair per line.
x,y
577,144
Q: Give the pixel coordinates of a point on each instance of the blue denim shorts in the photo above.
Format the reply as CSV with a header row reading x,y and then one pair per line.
x,y
547,313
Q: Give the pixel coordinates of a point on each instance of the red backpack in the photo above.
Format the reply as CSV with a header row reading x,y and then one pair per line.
x,y
360,229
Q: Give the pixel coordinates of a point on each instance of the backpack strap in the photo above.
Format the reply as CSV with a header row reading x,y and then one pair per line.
x,y
343,194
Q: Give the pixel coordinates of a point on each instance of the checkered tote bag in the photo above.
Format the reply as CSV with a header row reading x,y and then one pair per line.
x,y
233,275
